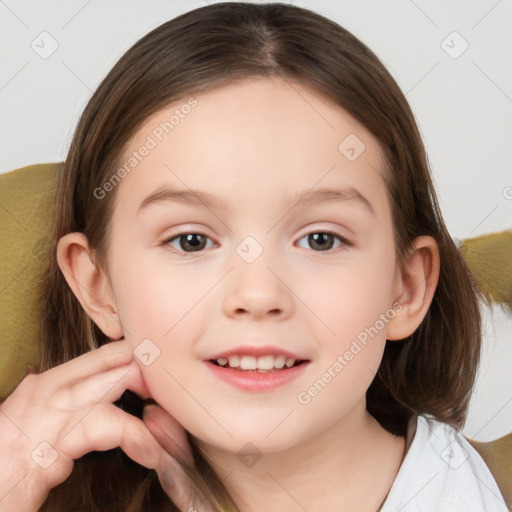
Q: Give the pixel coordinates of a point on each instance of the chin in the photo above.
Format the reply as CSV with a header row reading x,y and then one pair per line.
x,y
257,437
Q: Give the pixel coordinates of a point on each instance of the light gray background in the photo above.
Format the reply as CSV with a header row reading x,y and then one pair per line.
x,y
462,101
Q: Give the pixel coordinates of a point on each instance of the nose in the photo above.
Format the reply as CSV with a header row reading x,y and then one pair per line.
x,y
256,290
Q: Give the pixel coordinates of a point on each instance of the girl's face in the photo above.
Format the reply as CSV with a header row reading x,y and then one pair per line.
x,y
262,269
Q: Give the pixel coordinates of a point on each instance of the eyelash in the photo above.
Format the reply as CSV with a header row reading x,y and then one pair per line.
x,y
344,241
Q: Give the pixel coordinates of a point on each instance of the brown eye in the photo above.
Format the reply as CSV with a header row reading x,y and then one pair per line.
x,y
188,242
323,240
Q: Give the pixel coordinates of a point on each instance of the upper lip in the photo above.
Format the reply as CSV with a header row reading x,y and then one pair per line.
x,y
248,350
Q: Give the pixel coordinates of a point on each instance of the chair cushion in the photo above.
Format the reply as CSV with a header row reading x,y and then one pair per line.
x,y
490,259
27,200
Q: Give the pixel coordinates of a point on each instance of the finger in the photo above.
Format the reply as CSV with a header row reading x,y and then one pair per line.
x,y
107,427
127,377
108,356
107,386
168,432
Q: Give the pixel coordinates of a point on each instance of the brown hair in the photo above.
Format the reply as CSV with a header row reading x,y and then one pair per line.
x,y
432,372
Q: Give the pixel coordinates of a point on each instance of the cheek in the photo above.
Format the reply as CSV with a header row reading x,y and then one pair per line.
x,y
160,325
352,307
351,343
153,302
344,300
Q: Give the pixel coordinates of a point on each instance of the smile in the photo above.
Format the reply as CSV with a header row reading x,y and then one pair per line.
x,y
254,377
266,363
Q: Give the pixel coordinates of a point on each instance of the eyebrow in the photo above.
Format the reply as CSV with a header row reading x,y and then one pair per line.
x,y
330,195
194,197
307,197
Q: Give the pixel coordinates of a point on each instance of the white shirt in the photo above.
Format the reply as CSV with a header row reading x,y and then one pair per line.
x,y
442,472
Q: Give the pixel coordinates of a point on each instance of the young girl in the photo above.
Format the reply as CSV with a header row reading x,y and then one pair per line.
x,y
247,227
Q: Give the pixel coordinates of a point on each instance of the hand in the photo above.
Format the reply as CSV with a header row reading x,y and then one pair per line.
x,y
57,416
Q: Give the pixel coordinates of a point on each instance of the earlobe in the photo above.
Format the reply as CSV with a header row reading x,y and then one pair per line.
x,y
418,282
88,282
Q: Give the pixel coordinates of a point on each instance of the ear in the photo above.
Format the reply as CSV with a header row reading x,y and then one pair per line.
x,y
89,283
416,284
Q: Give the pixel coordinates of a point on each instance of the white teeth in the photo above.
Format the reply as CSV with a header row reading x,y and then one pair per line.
x,y
256,363
248,363
265,362
279,361
234,361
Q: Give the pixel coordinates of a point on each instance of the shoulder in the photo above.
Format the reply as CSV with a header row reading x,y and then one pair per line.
x,y
442,472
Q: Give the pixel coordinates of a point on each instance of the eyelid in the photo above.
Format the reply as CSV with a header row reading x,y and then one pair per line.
x,y
343,238
183,232
346,242
315,228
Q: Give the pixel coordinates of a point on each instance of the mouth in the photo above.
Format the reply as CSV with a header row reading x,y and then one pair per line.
x,y
254,375
262,364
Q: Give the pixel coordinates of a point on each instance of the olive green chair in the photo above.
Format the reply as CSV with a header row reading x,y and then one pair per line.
x,y
26,213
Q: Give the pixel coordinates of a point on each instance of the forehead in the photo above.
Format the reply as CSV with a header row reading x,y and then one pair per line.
x,y
264,136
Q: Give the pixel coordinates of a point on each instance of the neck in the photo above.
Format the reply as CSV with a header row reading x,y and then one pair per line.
x,y
349,466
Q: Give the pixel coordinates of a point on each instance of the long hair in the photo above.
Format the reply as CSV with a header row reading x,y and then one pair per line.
x,y
431,372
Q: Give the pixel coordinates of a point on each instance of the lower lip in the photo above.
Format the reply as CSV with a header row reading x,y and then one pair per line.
x,y
251,380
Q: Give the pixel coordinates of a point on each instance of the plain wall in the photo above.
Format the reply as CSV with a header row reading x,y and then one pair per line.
x,y
462,101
